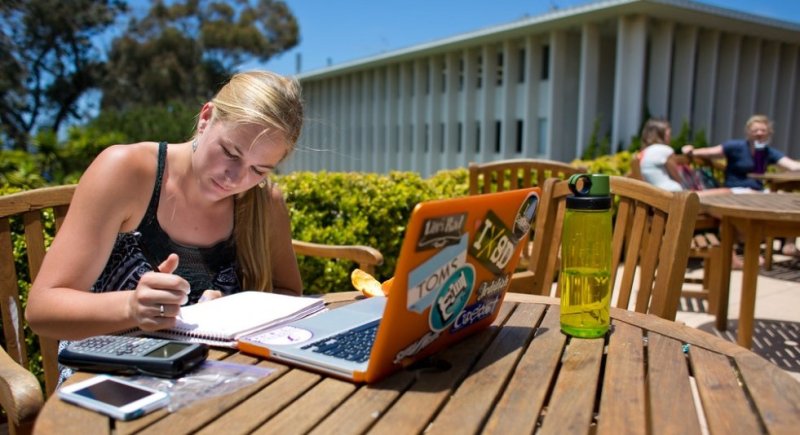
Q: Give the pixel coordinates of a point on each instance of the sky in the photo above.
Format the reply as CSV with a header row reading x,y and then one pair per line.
x,y
339,31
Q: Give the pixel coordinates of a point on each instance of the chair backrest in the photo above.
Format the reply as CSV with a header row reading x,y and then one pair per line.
x,y
652,233
504,175
26,211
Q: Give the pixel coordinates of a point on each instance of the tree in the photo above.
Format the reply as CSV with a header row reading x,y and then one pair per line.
x,y
183,50
48,61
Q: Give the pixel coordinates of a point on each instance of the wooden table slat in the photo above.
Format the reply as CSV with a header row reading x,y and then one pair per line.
x,y
669,392
519,408
415,409
362,409
305,412
281,392
468,407
724,403
624,377
571,407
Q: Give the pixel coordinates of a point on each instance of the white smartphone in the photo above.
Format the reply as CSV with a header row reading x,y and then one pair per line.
x,y
114,397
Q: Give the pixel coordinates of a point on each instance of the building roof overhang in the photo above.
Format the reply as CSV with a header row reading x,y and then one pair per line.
x,y
683,12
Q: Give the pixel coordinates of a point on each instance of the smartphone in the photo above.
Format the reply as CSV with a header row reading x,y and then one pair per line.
x,y
114,397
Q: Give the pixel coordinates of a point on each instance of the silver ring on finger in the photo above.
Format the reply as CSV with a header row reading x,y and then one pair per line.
x,y
161,310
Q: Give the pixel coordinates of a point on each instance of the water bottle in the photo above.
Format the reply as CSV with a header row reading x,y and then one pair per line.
x,y
585,277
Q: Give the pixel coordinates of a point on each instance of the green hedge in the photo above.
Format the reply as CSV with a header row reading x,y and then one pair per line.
x,y
357,209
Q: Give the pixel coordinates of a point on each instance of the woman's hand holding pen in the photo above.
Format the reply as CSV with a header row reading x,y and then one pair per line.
x,y
158,297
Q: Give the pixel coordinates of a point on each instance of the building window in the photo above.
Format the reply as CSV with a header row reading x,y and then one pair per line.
x,y
441,137
521,78
498,133
480,72
541,146
545,62
461,74
460,138
477,137
499,68
520,127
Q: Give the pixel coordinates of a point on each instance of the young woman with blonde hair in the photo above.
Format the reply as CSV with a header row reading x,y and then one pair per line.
x,y
153,225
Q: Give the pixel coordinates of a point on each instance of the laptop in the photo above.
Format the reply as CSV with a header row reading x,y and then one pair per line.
x,y
453,271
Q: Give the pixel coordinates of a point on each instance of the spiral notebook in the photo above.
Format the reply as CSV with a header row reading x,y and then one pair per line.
x,y
221,322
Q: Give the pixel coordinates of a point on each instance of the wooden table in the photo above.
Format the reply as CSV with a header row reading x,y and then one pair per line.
x,y
522,373
754,217
775,181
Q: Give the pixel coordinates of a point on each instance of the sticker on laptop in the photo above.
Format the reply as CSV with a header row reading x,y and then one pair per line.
x,y
452,298
425,281
525,215
441,231
283,335
416,347
494,244
475,313
492,288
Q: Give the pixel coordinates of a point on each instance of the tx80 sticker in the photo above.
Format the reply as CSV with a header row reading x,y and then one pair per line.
x,y
452,297
494,244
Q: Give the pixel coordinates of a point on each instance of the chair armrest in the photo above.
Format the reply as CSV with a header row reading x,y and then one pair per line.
x,y
366,257
20,393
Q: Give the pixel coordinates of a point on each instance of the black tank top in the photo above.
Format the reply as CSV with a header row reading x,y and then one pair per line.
x,y
204,268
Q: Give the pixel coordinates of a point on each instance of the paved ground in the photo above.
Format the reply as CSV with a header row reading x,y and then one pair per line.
x,y
776,335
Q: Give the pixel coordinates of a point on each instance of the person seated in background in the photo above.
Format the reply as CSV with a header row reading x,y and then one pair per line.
x,y
747,156
658,164
750,156
655,154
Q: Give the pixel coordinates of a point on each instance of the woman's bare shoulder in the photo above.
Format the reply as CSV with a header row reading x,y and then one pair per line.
x,y
122,165
121,175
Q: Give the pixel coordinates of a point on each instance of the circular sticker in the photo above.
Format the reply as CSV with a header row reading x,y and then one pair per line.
x,y
525,215
452,297
284,335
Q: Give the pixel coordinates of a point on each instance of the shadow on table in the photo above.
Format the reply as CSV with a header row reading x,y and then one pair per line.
x,y
777,341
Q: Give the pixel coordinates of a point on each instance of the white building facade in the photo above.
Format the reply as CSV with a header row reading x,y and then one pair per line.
x,y
538,87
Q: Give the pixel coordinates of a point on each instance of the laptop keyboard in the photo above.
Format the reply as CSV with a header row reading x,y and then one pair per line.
x,y
352,345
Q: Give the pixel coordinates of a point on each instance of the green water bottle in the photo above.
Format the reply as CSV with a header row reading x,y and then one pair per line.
x,y
585,278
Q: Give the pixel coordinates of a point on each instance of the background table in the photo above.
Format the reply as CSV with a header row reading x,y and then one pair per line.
x,y
755,217
776,181
522,373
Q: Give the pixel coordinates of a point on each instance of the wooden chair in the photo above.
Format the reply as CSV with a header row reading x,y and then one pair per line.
x,y
705,245
652,234
502,175
20,393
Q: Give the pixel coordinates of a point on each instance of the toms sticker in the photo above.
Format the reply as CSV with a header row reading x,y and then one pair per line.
x,y
525,215
424,281
452,298
475,313
441,231
494,244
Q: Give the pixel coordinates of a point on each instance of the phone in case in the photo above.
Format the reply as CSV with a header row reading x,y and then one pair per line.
x,y
114,397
